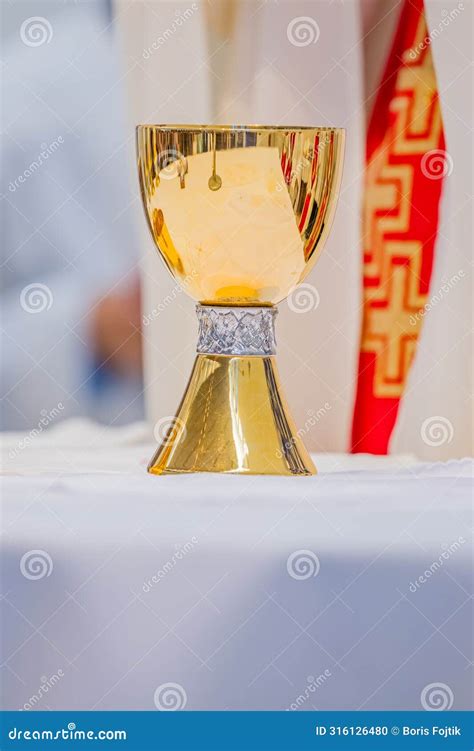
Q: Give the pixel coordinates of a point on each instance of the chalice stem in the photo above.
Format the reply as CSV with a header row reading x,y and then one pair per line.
x,y
233,416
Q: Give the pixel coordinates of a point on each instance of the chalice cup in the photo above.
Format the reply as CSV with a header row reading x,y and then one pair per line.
x,y
239,215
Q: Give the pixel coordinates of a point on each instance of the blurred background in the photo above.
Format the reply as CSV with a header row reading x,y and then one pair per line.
x,y
70,281
92,324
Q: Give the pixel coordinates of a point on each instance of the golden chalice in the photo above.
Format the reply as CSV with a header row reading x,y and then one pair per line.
x,y
239,214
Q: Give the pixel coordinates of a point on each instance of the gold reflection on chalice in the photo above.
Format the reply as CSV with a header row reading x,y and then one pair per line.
x,y
239,214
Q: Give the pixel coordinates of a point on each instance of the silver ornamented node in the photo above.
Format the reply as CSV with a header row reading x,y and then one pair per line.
x,y
236,331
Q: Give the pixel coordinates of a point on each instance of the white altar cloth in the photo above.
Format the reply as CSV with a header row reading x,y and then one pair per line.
x,y
349,590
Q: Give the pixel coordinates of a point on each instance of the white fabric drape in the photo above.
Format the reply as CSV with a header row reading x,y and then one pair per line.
x,y
439,389
259,76
152,577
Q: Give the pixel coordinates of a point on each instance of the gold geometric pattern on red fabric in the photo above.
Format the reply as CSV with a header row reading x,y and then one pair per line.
x,y
392,294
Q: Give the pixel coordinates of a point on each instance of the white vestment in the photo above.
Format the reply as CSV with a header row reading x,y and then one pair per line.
x,y
249,69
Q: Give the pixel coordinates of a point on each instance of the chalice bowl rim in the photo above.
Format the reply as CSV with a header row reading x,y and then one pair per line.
x,y
235,127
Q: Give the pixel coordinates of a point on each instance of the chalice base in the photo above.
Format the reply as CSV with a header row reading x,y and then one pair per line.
x,y
233,418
